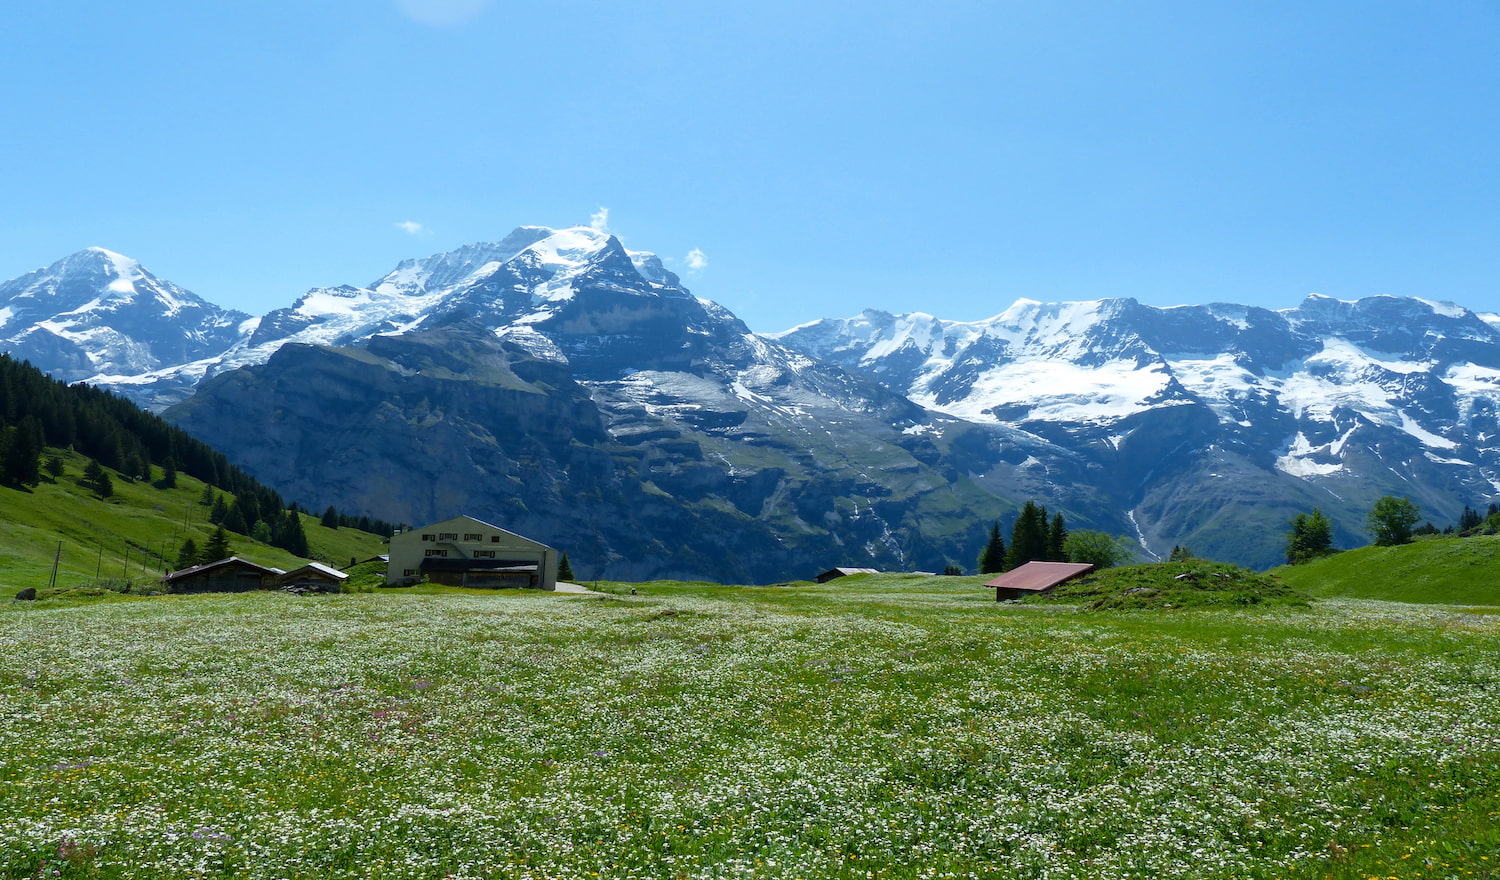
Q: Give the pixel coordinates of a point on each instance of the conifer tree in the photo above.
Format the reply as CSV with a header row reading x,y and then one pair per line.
x,y
95,477
330,518
218,511
234,519
1057,540
293,537
22,461
169,473
187,554
217,547
564,569
1028,537
992,557
206,497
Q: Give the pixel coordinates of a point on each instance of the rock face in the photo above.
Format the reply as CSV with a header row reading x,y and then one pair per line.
x,y
737,471
1216,423
565,387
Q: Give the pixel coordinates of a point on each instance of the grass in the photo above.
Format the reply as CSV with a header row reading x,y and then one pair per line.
x,y
876,726
1450,571
1193,583
131,537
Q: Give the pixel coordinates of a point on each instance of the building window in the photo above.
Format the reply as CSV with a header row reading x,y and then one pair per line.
x,y
474,537
409,572
447,536
429,537
494,539
433,552
484,554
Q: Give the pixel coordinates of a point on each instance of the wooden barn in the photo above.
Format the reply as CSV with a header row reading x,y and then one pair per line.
x,y
314,577
1034,578
835,573
232,575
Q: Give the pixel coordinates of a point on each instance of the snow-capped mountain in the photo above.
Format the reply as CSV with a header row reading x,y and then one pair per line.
x,y
1318,373
97,313
881,439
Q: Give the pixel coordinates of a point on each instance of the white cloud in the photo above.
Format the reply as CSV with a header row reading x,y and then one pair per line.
x,y
411,227
442,13
599,220
697,259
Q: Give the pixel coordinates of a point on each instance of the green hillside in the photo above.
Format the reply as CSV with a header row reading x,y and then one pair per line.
x,y
1447,571
132,535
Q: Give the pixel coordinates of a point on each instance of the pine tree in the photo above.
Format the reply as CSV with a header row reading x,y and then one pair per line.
x,y
96,478
564,569
206,497
234,519
1028,537
55,466
187,554
1180,553
218,511
168,474
992,557
330,518
22,463
217,547
293,537
1057,540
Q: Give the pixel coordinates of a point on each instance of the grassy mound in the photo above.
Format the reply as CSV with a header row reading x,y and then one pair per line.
x,y
1444,571
1195,583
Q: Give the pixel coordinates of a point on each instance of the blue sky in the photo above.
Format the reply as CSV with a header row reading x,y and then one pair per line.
x,y
820,157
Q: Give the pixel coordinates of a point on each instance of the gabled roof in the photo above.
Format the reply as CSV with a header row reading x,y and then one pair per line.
x,y
208,566
319,568
1038,577
475,521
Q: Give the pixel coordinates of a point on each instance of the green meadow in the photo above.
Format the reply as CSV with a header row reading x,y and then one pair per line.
x,y
887,726
131,537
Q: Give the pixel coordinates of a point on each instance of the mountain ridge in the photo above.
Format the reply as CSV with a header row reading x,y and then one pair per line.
x,y
1207,425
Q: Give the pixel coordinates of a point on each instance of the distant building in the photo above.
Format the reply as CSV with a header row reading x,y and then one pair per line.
x,y
1034,578
236,575
232,575
312,577
467,552
833,573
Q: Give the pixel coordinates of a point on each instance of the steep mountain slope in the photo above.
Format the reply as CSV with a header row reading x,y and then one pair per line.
x,y
739,470
1202,411
1205,425
96,314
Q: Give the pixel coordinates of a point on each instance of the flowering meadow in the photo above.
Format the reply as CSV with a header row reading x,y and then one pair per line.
x,y
898,728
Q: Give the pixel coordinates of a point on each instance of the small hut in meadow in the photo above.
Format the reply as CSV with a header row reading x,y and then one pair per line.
x,y
314,577
232,575
1035,578
834,573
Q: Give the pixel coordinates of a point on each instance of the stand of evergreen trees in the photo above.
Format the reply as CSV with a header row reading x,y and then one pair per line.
x,y
37,411
1033,538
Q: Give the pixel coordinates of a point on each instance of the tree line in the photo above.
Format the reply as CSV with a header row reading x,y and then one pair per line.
x,y
1037,536
37,411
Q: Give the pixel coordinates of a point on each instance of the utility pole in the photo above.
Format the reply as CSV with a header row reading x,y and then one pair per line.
x,y
99,566
52,582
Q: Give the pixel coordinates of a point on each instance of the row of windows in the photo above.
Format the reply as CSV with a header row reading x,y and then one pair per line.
x,y
432,552
453,536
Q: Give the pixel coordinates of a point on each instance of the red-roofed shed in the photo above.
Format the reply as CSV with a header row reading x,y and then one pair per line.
x,y
1036,577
